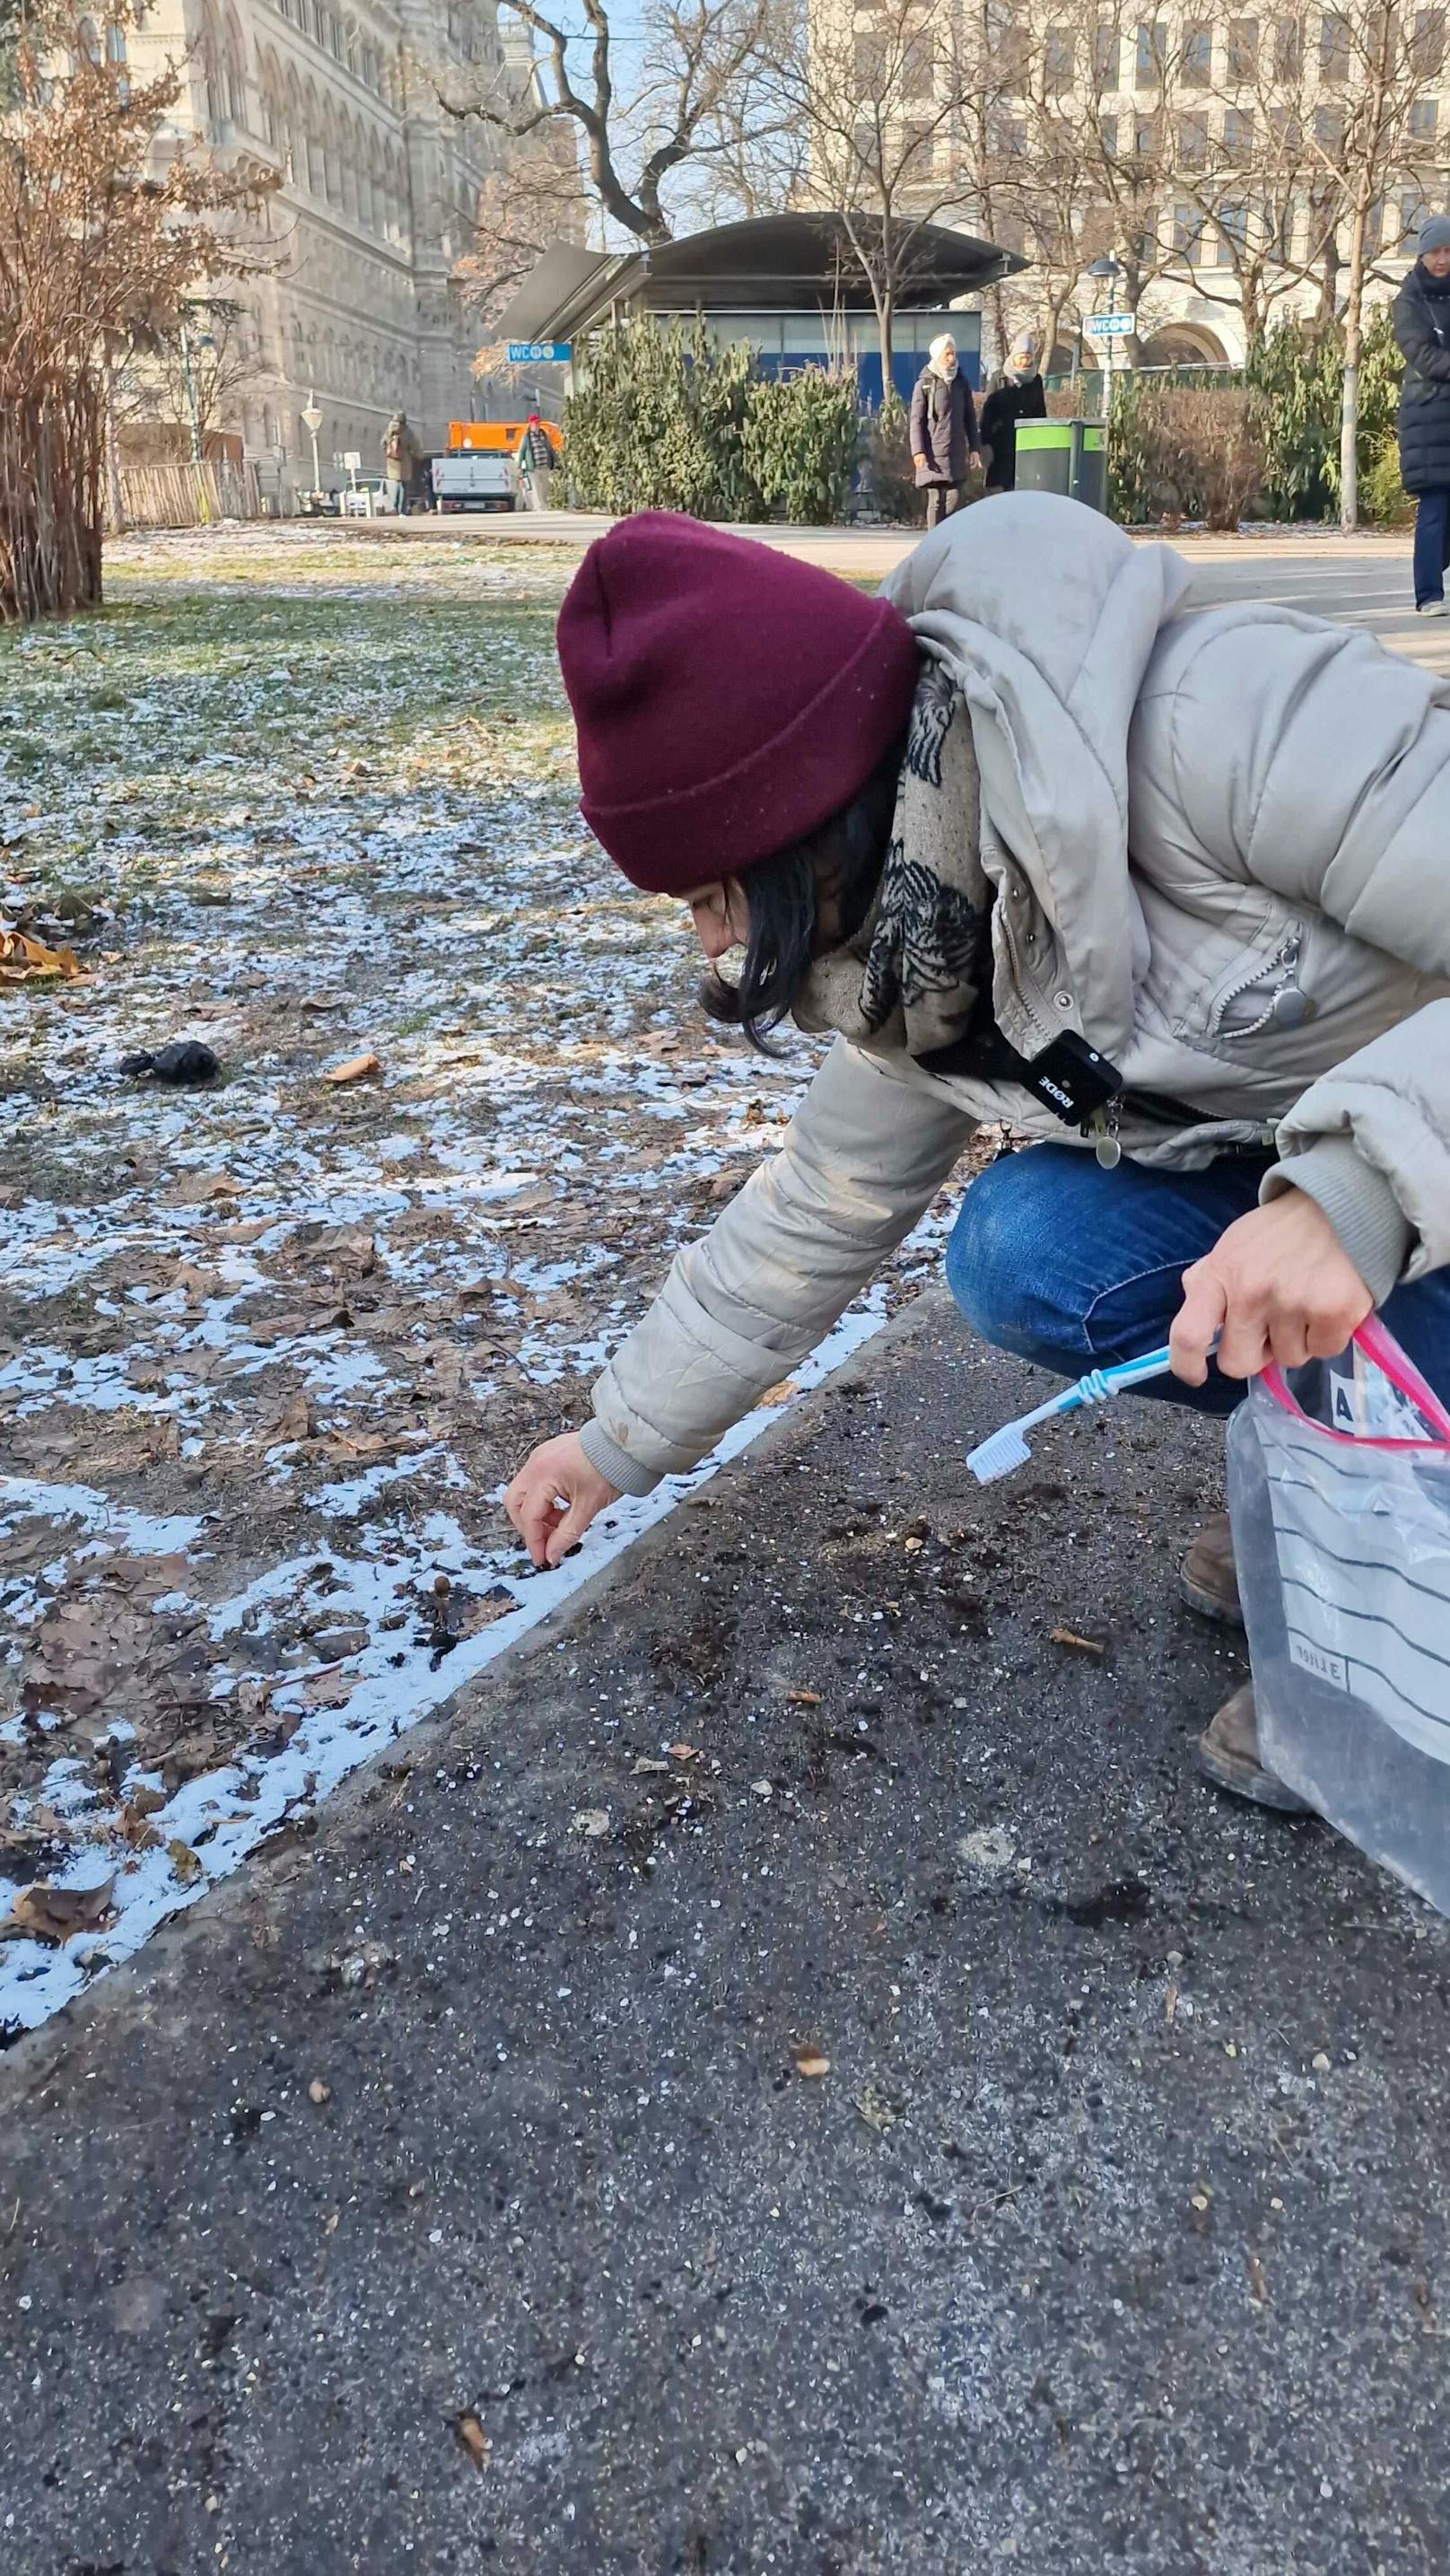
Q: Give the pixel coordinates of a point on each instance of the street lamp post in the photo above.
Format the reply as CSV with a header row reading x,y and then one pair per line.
x,y
1104,273
312,422
189,381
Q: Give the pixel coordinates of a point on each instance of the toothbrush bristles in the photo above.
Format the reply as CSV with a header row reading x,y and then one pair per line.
x,y
999,1456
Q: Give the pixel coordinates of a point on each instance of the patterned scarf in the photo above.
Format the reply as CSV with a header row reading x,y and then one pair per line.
x,y
920,963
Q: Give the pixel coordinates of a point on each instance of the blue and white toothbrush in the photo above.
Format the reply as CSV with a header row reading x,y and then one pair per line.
x,y
1007,1449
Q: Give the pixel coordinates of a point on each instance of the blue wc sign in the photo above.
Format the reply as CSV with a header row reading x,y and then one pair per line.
x,y
540,353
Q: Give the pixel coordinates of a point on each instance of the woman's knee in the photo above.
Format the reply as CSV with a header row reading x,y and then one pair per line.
x,y
1005,1264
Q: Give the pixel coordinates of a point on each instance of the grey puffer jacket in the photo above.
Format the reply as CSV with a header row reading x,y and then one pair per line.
x,y
1220,847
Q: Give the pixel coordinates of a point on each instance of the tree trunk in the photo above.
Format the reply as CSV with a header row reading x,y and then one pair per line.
x,y
115,504
51,471
885,329
1349,407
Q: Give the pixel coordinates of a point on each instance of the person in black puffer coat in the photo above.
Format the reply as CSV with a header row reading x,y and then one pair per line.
x,y
1422,329
1017,394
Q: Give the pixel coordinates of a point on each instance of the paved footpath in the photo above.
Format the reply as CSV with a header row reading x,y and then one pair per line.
x,y
910,2128
1364,579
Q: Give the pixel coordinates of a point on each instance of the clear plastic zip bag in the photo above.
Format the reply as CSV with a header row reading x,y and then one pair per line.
x,y
1339,1491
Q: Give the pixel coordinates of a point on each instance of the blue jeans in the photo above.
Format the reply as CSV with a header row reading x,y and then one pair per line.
x,y
1432,545
1072,1266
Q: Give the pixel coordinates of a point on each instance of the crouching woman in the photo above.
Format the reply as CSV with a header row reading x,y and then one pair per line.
x,y
1167,890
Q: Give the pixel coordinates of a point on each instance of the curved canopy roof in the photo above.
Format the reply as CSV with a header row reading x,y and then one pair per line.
x,y
775,263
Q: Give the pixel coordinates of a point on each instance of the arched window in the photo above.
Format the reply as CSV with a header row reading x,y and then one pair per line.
x,y
296,163
88,38
234,82
116,57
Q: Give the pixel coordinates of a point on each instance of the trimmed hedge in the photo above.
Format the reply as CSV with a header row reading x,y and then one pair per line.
x,y
664,419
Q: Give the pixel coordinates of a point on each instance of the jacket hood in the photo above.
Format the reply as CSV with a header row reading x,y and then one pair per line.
x,y
1046,615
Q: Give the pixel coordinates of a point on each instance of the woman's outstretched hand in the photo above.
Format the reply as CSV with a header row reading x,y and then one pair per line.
x,y
555,1496
1278,1285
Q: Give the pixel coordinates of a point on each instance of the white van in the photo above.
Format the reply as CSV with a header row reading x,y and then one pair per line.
x,y
474,479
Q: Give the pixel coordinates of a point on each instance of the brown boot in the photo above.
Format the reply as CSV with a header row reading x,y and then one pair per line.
x,y
1228,1755
1208,1581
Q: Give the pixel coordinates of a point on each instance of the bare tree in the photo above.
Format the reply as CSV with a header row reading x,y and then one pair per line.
x,y
187,369
1372,67
881,102
1045,163
695,99
533,199
92,243
1096,94
1243,229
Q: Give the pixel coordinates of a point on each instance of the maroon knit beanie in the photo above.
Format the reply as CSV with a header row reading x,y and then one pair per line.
x,y
728,700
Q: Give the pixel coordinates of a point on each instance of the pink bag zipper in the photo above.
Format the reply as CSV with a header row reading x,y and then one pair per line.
x,y
1381,1347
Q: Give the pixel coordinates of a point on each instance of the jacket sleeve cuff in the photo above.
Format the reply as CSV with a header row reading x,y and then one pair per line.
x,y
624,1473
1359,1203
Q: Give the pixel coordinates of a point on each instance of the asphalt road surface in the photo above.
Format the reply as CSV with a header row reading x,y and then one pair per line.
x,y
794,2072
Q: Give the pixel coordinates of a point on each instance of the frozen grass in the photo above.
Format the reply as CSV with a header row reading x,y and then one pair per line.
x,y
268,1351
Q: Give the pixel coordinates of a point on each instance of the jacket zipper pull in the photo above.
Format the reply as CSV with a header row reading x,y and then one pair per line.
x,y
1103,1128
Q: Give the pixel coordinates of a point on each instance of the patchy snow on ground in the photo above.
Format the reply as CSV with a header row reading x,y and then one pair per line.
x,y
269,1350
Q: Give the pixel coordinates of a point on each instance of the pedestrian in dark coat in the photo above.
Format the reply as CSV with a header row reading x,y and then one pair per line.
x,y
943,430
1018,394
1422,329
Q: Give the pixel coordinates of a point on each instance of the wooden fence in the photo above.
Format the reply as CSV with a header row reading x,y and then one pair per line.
x,y
189,496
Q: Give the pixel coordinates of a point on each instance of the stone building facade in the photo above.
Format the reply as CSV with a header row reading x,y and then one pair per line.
x,y
353,301
1181,144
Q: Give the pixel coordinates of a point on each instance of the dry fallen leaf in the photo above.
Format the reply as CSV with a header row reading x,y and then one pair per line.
x,y
1070,1637
353,1070
810,2061
190,1756
683,1752
875,2110
199,1187
592,1822
781,1393
54,1913
803,1698
24,960
185,1863
294,1422
1258,2286
474,2439
329,1689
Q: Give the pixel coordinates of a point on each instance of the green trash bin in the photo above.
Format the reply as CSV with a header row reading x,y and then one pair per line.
x,y
1067,456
